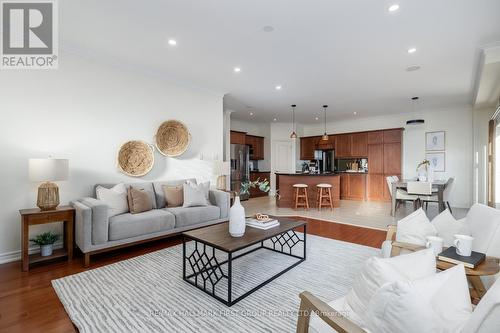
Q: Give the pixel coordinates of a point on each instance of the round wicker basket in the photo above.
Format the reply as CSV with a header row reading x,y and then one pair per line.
x,y
136,158
172,138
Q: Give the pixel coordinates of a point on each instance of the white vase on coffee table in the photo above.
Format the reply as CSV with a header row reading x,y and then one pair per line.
x,y
237,219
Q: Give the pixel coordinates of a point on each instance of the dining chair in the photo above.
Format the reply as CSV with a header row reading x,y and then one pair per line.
x,y
446,195
401,195
422,190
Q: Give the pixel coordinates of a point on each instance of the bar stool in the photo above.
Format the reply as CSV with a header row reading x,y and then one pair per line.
x,y
298,195
324,192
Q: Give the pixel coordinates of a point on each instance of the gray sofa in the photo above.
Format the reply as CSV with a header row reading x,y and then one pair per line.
x,y
95,232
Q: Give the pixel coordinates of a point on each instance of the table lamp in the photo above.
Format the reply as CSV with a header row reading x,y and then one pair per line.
x,y
222,169
47,170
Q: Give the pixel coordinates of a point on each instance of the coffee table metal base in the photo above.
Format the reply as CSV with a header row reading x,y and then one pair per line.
x,y
207,270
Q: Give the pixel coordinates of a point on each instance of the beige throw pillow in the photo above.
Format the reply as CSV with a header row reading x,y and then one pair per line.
x,y
174,195
139,201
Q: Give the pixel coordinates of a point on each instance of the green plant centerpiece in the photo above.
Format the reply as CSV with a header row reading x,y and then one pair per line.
x,y
237,222
46,242
262,185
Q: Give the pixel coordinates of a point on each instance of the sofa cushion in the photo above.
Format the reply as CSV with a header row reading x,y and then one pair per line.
x,y
139,201
131,225
194,215
174,195
160,195
115,198
147,187
317,325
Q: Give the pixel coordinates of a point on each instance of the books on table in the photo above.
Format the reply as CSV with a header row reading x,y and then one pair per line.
x,y
450,255
262,224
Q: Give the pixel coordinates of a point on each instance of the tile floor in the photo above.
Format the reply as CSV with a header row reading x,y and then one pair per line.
x,y
361,213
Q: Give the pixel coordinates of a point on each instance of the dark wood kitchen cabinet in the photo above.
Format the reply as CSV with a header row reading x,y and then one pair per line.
x,y
256,144
359,146
343,145
307,147
353,186
238,138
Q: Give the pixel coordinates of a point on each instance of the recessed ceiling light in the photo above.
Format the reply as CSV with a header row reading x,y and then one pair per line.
x,y
412,50
268,28
237,69
354,113
413,68
274,119
172,42
251,113
393,8
277,87
316,118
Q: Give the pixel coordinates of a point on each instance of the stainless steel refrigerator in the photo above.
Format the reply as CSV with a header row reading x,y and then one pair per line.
x,y
240,170
326,160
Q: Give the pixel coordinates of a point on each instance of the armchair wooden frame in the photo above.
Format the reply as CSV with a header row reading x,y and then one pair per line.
x,y
310,303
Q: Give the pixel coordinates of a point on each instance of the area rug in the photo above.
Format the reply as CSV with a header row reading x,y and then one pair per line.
x,y
147,293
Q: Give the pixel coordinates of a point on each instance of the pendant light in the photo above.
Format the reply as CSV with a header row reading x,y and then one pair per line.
x,y
293,135
414,121
325,136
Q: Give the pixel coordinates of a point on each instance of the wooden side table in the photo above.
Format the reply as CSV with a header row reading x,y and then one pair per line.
x,y
65,214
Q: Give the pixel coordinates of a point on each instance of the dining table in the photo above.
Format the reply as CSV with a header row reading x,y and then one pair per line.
x,y
438,187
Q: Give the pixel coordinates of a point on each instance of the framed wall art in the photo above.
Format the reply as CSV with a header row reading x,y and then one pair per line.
x,y
437,161
435,141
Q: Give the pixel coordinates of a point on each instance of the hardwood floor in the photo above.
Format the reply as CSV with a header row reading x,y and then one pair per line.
x,y
28,303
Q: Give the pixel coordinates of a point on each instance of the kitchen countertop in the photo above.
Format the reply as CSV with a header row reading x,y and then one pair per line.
x,y
258,171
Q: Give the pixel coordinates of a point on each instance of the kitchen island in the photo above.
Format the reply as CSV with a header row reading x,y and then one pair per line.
x,y
285,182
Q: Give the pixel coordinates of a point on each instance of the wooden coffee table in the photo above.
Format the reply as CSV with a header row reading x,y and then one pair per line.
x,y
206,271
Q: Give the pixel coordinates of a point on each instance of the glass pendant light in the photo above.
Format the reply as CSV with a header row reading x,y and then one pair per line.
x,y
415,121
325,136
293,135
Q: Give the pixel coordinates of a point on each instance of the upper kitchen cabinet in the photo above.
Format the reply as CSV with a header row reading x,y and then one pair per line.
x,y
326,144
375,137
359,144
343,145
256,144
393,136
238,138
307,147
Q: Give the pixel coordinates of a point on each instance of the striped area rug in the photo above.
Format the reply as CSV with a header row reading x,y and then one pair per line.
x,y
147,293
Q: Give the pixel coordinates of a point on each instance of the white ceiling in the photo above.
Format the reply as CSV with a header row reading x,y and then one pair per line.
x,y
350,54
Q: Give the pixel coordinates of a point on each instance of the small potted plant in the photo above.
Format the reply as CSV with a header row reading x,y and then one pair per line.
x,y
46,242
237,212
423,170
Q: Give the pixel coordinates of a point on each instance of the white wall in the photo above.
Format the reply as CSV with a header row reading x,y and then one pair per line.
x,y
456,122
84,111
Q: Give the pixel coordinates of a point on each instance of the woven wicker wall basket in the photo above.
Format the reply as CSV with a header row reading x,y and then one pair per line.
x,y
136,158
172,138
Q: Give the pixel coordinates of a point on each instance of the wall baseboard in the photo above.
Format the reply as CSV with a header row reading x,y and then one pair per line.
x,y
16,255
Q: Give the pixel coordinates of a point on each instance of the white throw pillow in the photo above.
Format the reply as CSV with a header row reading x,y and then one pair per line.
x,y
437,303
447,227
379,271
195,195
318,325
415,228
115,198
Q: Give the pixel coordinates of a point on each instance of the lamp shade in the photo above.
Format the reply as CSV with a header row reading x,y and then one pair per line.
x,y
48,169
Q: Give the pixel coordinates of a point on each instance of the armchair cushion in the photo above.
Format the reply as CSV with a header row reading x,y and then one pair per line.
x,y
483,223
486,315
414,228
447,227
316,325
377,272
436,303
